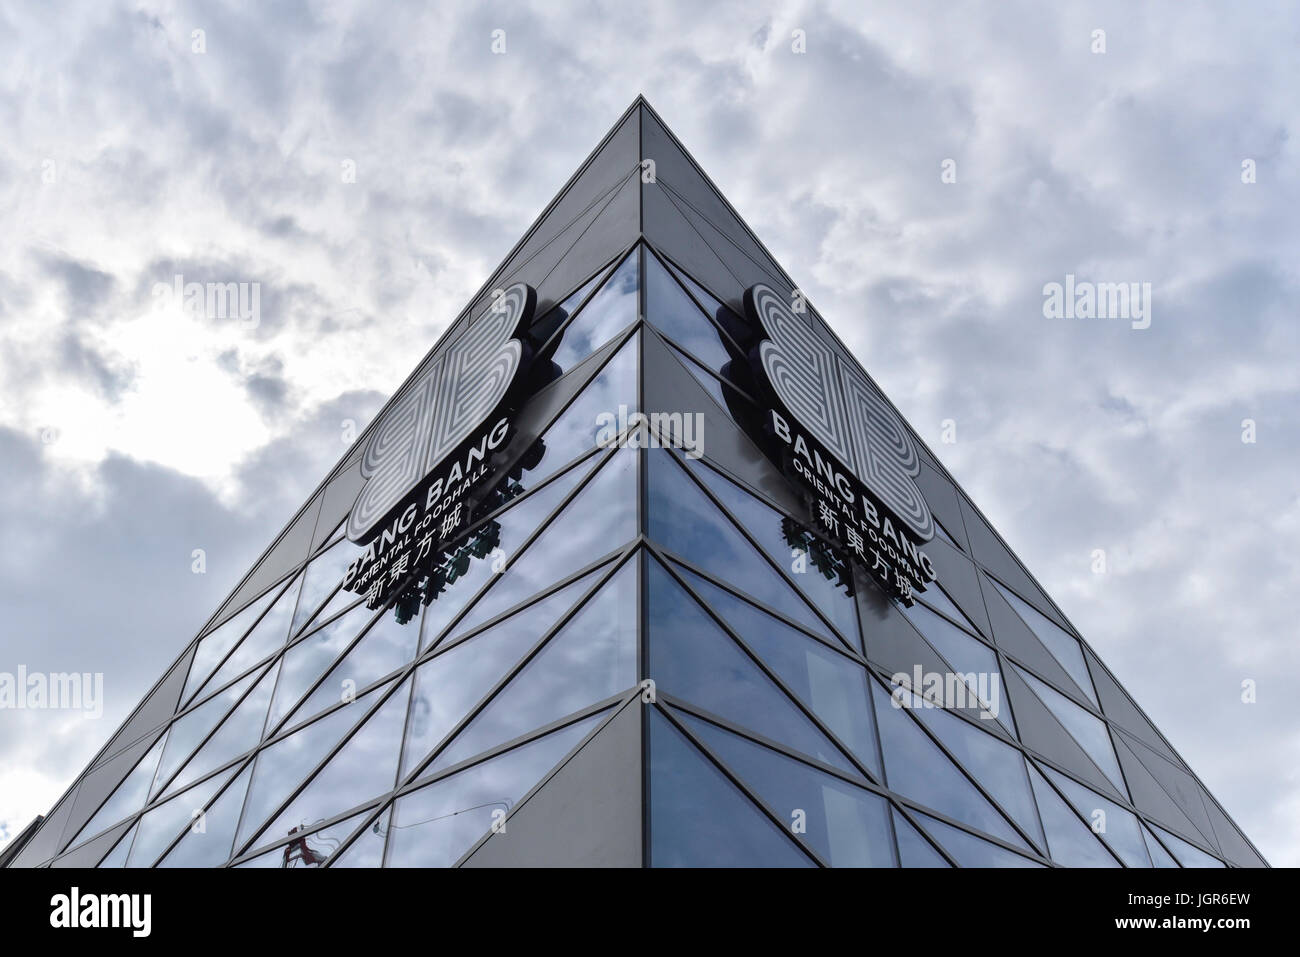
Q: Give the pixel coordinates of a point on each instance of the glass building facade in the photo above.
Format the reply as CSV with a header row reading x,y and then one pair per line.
x,y
631,654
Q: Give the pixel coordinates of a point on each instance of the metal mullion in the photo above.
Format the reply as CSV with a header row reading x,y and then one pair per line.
x,y
916,806
558,334
908,816
386,801
208,737
721,232
290,838
762,552
235,647
663,261
643,530
670,557
965,773
627,698
771,674
221,792
867,784
731,776
1070,805
543,524
348,735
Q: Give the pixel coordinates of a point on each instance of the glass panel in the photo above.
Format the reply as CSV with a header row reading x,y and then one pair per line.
x,y
1159,856
1120,828
591,658
267,636
774,532
611,310
1088,730
218,643
938,598
728,320
1069,840
1063,646
598,520
847,826
366,851
211,846
544,326
971,658
307,660
319,582
1188,855
434,826
129,796
691,658
575,430
943,533
832,686
913,849
970,851
240,732
383,649
916,768
512,528
684,521
997,766
269,859
365,768
451,683
711,385
672,312
282,766
700,819
187,732
162,825
117,856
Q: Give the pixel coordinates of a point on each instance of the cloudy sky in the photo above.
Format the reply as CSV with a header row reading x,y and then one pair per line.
x,y
133,150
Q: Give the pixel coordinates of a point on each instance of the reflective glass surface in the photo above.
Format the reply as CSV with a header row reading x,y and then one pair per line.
x,y
1088,730
434,826
238,733
514,526
214,647
684,521
968,850
833,686
387,646
1070,841
916,768
1063,646
210,845
365,767
997,766
129,796
670,310
309,658
282,766
693,659
600,518
591,658
610,310
1119,828
320,580
772,530
544,326
452,682
913,849
163,824
846,826
1159,856
969,656
1187,855
117,856
700,819
267,637
188,732
366,851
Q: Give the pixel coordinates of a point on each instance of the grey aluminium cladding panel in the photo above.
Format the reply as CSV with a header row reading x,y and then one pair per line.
x,y
587,814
